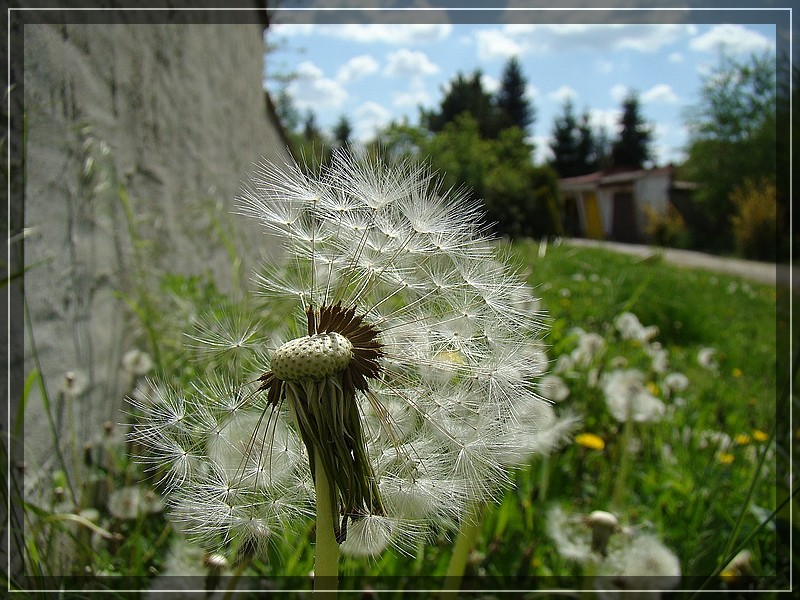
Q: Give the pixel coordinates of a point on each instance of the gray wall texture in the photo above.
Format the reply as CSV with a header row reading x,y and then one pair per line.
x,y
166,117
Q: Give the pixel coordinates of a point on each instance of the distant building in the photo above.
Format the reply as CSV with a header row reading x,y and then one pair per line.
x,y
617,205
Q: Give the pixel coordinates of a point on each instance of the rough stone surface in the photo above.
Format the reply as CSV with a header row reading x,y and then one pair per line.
x,y
166,117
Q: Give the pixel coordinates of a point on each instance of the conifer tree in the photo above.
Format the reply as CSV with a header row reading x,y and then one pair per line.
x,y
565,143
515,109
465,95
631,149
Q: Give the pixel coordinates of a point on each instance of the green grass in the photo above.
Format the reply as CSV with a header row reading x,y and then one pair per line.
x,y
700,501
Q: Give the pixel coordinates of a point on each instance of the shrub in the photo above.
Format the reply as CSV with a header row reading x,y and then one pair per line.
x,y
667,228
755,222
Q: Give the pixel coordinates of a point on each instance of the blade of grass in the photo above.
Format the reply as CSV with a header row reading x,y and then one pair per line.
x,y
46,402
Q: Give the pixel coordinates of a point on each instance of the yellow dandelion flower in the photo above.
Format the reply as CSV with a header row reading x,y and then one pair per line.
x,y
736,372
590,440
652,388
760,436
742,439
727,575
725,458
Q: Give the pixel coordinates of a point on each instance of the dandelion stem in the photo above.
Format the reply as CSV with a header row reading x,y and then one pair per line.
x,y
467,536
618,496
326,563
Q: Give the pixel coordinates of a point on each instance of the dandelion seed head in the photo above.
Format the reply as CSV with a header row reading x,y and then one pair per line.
x,y
137,362
628,398
643,564
404,363
706,358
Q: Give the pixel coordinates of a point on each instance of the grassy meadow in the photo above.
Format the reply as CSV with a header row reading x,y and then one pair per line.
x,y
704,473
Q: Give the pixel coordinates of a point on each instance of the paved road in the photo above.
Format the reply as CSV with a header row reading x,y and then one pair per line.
x,y
748,269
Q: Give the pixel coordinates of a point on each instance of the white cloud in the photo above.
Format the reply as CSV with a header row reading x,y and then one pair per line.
x,y
311,89
412,98
606,119
676,57
489,83
618,92
531,91
661,93
562,94
387,33
409,63
357,68
368,118
496,43
641,37
308,70
731,37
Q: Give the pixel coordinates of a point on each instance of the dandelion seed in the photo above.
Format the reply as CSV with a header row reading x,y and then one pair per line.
x,y
673,383
627,397
636,568
400,382
129,502
590,346
630,328
74,384
553,388
137,362
705,358
581,538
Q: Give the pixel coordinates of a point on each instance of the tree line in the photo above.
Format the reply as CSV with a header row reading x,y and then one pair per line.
x,y
483,140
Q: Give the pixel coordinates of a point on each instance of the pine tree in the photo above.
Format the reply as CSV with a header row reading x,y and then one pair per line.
x,y
632,148
565,143
310,130
342,131
515,109
466,95
587,148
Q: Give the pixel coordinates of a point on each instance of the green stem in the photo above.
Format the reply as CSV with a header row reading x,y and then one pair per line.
x,y
234,580
544,477
465,541
589,574
618,497
326,563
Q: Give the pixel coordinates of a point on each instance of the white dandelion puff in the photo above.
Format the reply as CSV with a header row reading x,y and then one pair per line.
x,y
706,358
402,375
641,569
627,397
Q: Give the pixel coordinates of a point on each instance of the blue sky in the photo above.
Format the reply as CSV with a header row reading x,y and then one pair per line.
x,y
377,73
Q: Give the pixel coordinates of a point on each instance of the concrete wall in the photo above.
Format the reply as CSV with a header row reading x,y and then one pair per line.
x,y
172,114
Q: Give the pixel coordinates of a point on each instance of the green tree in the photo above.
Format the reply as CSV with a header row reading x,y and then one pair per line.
x,y
342,131
590,146
462,155
465,95
288,115
514,107
311,131
732,139
577,149
631,149
564,144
